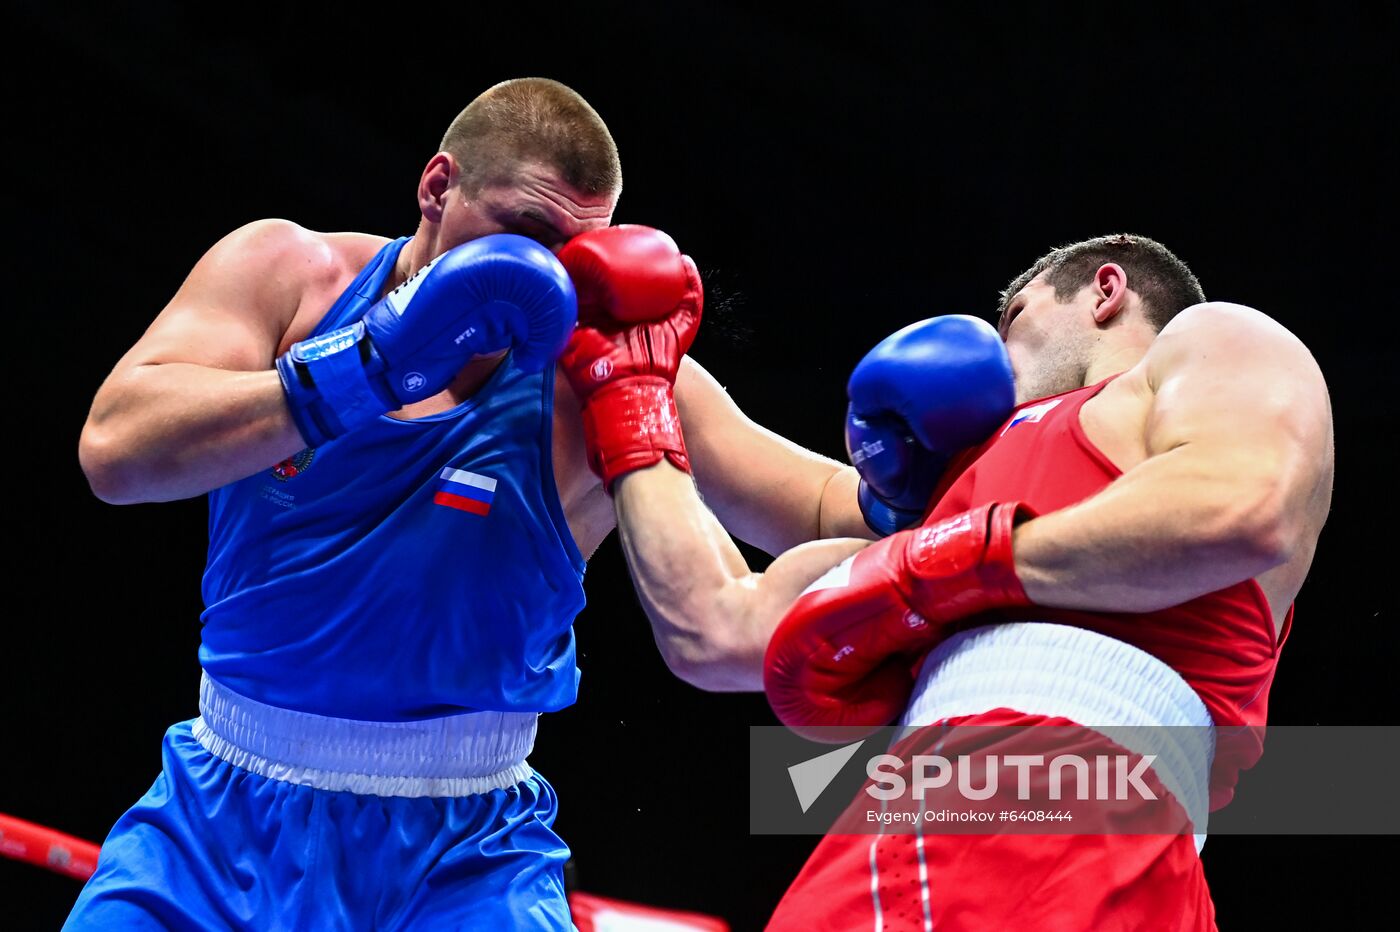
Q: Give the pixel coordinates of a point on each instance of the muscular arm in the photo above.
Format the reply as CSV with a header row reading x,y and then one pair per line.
x,y
763,488
710,615
196,404
1235,483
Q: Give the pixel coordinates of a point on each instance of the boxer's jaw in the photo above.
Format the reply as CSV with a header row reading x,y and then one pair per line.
x,y
1049,342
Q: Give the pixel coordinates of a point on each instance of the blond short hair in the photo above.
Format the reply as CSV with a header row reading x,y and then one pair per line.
x,y
533,119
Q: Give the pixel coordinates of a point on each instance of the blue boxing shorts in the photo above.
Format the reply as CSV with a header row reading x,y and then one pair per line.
x,y
265,818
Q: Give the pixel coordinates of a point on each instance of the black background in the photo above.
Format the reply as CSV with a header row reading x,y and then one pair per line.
x,y
836,176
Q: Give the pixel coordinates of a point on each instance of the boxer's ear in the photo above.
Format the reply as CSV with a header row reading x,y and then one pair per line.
x,y
439,176
1110,287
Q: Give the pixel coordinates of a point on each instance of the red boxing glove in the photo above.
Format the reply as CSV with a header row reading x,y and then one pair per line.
x,y
847,651
640,301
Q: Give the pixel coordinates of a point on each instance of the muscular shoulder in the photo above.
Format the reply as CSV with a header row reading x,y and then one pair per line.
x,y
1226,337
275,251
262,270
298,272
249,293
284,254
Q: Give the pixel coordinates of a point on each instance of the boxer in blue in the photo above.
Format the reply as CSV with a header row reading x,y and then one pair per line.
x,y
401,504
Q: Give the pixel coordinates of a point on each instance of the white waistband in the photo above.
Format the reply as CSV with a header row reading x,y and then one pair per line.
x,y
458,755
1091,679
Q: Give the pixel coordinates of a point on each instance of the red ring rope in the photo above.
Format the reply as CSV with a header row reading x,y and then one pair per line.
x,y
35,844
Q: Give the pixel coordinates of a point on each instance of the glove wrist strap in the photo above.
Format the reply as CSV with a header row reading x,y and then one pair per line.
x,y
631,424
964,565
327,386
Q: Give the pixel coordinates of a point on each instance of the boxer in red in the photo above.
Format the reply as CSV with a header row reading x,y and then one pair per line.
x,y
1124,548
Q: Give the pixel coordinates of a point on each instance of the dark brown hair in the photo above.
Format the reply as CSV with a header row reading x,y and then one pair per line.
x,y
1163,281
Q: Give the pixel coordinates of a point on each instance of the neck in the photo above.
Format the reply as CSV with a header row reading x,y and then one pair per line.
x,y
415,254
1117,350
1111,363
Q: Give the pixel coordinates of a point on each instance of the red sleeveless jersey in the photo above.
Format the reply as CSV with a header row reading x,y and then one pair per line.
x,y
1221,643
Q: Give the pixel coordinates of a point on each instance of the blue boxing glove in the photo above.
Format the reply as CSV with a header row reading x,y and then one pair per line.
x,y
922,394
486,295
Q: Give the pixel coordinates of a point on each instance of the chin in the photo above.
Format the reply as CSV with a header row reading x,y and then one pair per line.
x,y
1029,381
1039,384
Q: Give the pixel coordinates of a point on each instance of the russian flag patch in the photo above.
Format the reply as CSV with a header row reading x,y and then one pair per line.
x,y
1031,415
465,491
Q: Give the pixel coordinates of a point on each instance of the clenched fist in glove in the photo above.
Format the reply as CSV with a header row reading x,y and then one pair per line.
x,y
640,302
847,651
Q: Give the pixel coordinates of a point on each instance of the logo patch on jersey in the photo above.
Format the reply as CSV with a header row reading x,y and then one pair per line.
x,y
293,466
1031,415
465,491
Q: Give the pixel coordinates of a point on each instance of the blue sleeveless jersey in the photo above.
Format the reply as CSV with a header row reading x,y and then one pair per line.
x,y
407,570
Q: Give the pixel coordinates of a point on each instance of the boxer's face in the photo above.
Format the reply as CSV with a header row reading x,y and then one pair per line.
x,y
1049,343
535,202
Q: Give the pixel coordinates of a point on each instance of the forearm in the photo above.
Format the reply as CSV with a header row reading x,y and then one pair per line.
x,y
710,614
802,495
1176,527
177,430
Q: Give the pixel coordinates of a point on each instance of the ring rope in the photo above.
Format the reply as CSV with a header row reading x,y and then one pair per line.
x,y
46,847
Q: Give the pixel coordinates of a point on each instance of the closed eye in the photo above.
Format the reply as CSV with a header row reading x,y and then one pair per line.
x,y
538,228
1007,316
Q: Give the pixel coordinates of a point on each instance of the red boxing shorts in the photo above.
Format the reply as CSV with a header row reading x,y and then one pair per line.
x,y
1120,865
